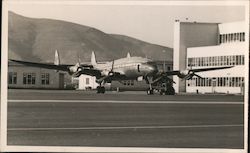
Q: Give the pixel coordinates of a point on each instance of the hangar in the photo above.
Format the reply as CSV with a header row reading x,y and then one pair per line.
x,y
204,45
21,76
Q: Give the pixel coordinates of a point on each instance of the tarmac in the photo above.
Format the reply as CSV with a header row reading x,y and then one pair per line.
x,y
127,119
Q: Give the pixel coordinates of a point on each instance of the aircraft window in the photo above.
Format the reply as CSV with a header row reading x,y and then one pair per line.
x,y
138,67
128,83
132,82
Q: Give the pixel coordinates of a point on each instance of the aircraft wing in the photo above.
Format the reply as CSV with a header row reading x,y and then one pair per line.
x,y
43,65
81,69
169,73
187,74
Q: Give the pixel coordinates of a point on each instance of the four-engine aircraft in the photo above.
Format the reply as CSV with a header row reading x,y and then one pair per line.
x,y
129,68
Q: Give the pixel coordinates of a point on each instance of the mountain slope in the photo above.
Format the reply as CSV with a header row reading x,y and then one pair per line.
x,y
37,39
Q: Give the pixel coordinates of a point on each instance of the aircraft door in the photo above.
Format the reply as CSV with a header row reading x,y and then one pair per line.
x,y
138,68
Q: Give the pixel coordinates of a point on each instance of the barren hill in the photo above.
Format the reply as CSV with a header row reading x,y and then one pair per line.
x,y
37,39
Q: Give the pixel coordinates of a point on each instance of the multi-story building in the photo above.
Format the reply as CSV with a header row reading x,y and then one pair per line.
x,y
224,45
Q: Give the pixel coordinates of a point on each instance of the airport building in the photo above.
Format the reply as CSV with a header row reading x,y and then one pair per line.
x,y
205,45
21,76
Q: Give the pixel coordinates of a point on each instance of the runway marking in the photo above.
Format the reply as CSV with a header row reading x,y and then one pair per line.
x,y
127,127
123,101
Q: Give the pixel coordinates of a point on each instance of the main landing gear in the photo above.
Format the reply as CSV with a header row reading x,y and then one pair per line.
x,y
168,91
163,89
150,91
100,89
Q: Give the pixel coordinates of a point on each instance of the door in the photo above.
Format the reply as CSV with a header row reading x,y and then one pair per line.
x,y
61,80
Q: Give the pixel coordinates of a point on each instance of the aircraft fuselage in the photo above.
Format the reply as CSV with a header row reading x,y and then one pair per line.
x,y
128,68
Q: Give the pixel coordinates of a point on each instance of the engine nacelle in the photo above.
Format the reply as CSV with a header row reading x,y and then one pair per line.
x,y
105,73
184,72
140,78
75,71
187,74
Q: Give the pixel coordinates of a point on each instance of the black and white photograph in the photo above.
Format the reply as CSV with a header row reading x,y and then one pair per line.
x,y
124,76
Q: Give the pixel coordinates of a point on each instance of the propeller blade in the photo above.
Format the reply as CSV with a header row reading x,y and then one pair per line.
x,y
164,66
102,79
146,79
112,65
162,77
198,76
157,79
187,77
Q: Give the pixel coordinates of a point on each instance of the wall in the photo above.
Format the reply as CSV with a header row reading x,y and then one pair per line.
x,y
190,34
225,50
20,69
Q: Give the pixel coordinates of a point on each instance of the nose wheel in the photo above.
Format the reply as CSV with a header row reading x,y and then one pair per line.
x,y
100,89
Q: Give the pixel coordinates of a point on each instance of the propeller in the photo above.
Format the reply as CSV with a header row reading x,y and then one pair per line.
x,y
79,59
191,73
111,72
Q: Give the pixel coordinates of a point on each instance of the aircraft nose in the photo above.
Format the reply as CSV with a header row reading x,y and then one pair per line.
x,y
152,69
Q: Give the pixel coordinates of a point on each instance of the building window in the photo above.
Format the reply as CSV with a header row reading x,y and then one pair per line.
x,y
45,78
216,61
29,78
12,78
87,81
217,82
242,60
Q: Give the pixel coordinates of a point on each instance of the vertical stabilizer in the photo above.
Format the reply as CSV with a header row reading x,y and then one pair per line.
x,y
93,59
79,59
57,58
128,55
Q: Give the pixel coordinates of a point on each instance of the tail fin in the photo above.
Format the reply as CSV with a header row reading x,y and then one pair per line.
x,y
128,55
57,58
93,60
79,59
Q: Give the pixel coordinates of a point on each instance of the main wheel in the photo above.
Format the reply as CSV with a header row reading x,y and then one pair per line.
x,y
103,90
150,92
170,90
98,89
162,92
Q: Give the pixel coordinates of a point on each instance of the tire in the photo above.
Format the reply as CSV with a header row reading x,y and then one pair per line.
x,y
98,89
170,91
103,90
150,92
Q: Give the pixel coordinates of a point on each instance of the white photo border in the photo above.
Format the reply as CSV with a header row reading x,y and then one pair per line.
x,y
4,67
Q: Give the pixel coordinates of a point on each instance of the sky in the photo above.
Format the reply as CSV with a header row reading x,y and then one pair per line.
x,y
150,23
